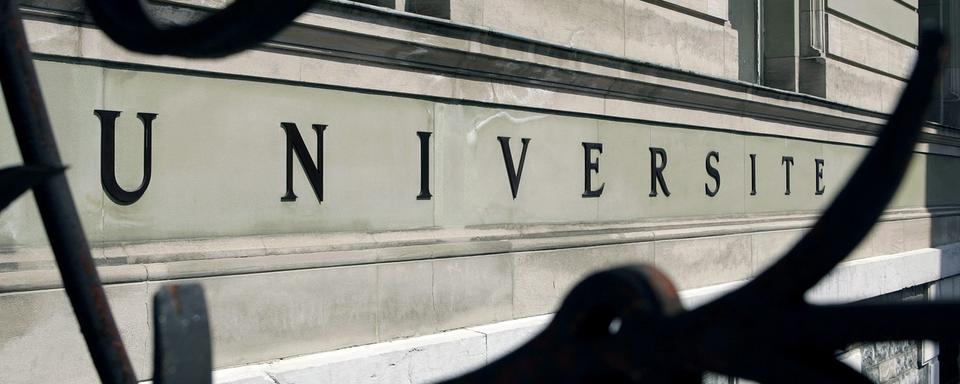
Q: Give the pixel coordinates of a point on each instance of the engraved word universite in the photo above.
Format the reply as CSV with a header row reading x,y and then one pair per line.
x,y
296,147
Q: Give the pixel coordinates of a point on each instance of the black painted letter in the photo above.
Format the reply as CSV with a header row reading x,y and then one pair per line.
x,y
753,174
713,172
295,145
108,176
513,173
589,165
787,162
819,169
424,166
656,171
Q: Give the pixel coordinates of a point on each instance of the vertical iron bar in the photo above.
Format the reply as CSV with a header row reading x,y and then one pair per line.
x,y
60,219
181,342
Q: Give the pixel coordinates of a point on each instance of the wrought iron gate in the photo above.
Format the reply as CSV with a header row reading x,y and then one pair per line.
x,y
621,325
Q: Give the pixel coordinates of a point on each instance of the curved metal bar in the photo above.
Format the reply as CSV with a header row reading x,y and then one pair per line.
x,y
60,219
14,181
861,202
241,25
836,326
806,369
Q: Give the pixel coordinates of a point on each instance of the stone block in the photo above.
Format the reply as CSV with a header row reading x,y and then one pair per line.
x,y
918,234
40,341
866,47
872,373
714,378
406,300
731,55
700,8
693,263
245,380
771,172
768,247
595,26
940,186
543,278
467,11
861,88
473,184
913,190
945,230
473,290
420,360
252,317
71,93
96,45
346,74
503,338
840,161
863,250
890,16
53,38
887,238
686,173
853,359
666,37
192,191
624,171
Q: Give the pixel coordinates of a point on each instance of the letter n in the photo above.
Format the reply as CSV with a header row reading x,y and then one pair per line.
x,y
296,146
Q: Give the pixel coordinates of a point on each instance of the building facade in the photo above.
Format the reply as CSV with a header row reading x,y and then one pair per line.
x,y
401,190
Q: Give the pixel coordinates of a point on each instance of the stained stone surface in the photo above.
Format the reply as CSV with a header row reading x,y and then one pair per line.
x,y
372,264
218,163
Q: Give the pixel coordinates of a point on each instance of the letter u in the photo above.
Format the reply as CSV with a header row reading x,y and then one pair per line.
x,y
108,159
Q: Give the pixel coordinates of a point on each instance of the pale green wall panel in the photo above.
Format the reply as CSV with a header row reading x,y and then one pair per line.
x,y
889,16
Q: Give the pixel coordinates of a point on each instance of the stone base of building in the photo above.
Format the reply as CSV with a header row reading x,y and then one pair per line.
x,y
435,357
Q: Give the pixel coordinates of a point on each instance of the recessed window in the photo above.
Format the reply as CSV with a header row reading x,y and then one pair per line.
x,y
380,3
745,18
945,108
435,8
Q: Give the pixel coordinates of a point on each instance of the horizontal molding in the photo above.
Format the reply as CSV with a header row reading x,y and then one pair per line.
x,y
459,53
32,268
688,11
861,279
858,22
848,38
865,67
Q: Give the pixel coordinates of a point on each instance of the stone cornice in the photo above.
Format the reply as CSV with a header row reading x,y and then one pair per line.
x,y
375,37
29,268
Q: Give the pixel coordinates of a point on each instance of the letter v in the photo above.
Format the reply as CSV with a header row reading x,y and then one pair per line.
x,y
513,173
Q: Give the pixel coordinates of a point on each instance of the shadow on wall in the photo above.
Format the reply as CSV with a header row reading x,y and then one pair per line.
x,y
943,189
943,172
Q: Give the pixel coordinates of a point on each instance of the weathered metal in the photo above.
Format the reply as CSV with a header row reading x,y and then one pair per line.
x,y
241,25
627,325
181,339
17,180
623,325
60,219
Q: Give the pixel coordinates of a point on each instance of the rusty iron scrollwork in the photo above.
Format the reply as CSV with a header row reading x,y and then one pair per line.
x,y
623,325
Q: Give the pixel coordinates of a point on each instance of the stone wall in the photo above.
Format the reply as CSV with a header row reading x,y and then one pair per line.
x,y
895,361
869,51
372,262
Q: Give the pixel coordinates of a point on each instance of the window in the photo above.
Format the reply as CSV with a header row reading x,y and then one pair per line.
x,y
433,8
945,107
380,3
745,19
